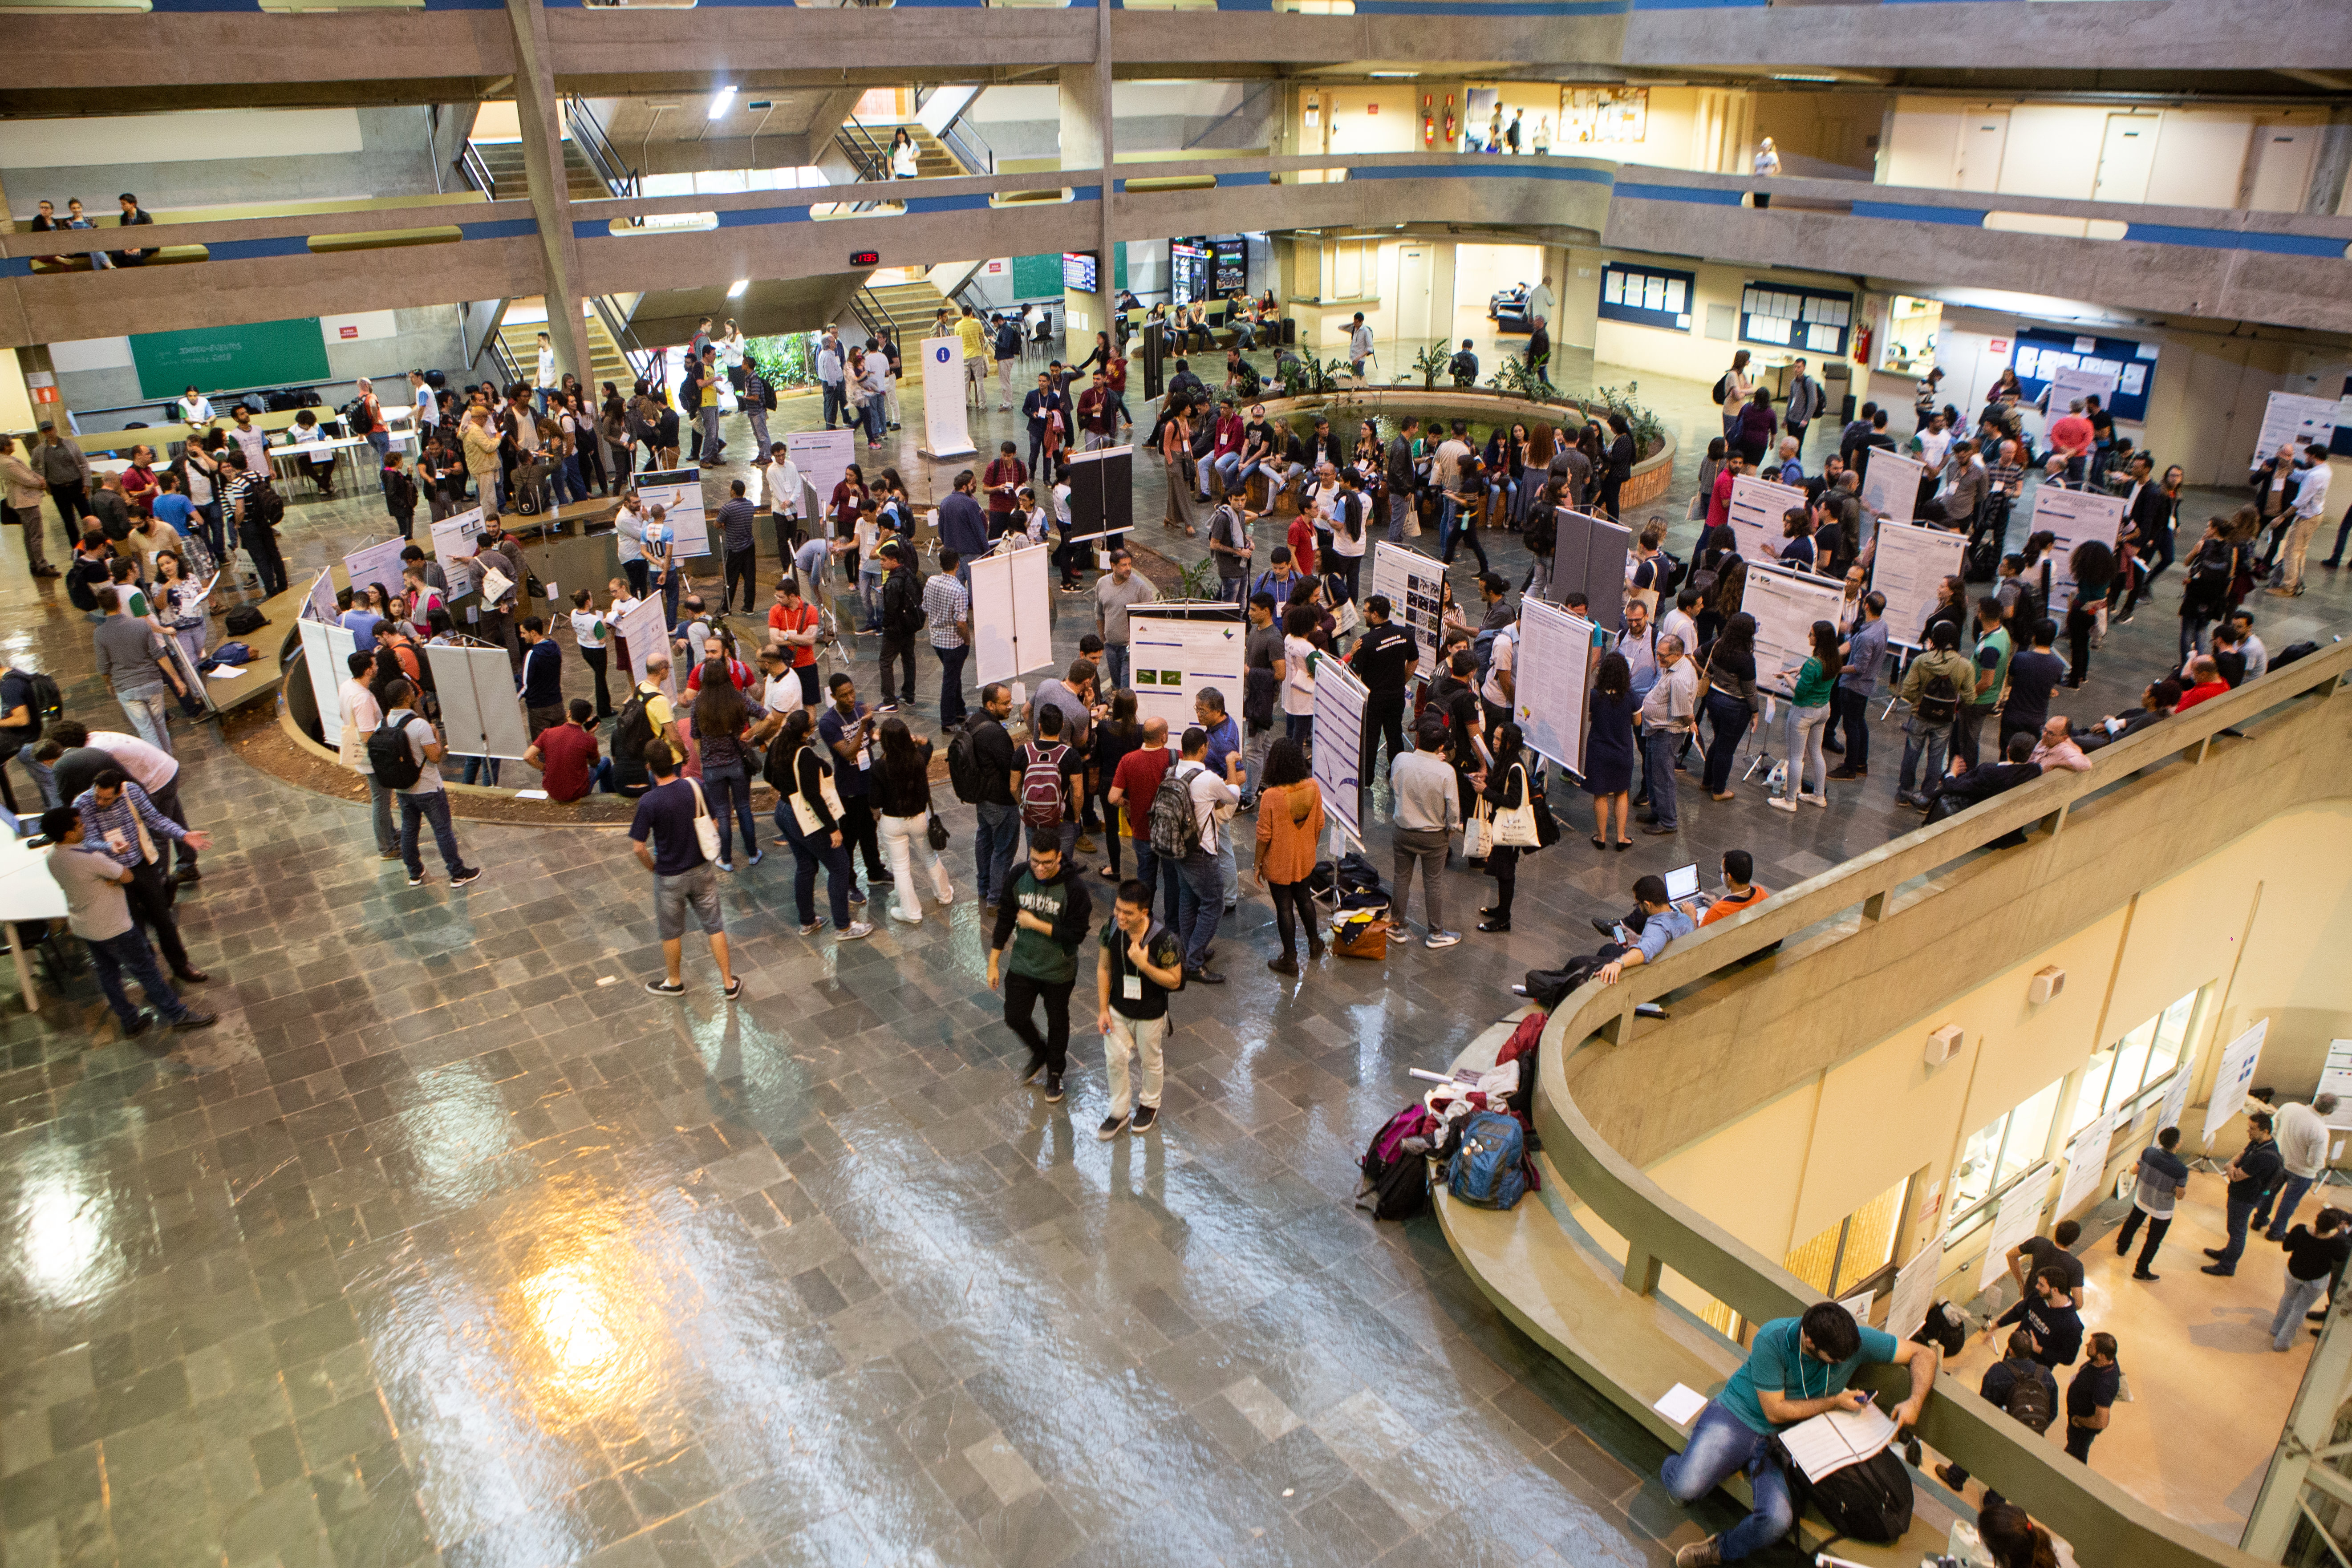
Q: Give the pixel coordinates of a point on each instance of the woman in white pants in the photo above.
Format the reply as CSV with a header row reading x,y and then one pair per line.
x,y
1808,714
903,798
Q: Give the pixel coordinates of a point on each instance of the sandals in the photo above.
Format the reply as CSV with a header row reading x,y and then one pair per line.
x,y
1624,844
1598,842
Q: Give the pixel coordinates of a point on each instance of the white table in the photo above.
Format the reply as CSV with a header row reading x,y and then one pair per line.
x,y
27,892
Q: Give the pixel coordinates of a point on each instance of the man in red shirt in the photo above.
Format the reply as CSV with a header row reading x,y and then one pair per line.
x,y
1302,542
792,625
565,756
1133,786
1004,480
2209,684
2070,436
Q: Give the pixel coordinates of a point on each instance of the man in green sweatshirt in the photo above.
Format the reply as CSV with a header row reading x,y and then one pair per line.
x,y
1046,918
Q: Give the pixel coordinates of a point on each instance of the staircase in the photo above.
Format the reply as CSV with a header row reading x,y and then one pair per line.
x,y
504,162
868,148
521,341
911,306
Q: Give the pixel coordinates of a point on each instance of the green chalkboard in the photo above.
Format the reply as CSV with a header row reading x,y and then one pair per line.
x,y
217,359
1040,276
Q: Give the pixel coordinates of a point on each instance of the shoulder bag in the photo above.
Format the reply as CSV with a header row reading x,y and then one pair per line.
x,y
706,828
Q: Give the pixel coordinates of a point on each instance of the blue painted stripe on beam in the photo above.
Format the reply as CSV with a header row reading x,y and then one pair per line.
x,y
2235,240
1699,195
15,266
1471,169
1904,212
505,228
256,249
1536,8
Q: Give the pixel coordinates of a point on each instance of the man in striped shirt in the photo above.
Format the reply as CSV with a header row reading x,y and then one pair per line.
x,y
119,820
946,610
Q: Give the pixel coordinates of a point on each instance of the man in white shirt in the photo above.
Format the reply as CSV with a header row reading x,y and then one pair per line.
x,y
361,714
785,503
828,375
1360,346
546,385
428,406
2303,1134
2258,657
1668,714
195,407
1540,303
253,441
2310,509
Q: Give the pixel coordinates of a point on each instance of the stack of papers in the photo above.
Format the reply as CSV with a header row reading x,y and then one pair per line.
x,y
1829,1443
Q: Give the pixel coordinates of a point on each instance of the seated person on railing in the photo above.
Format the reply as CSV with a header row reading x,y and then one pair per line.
x,y
1661,923
1796,1368
2155,702
1985,780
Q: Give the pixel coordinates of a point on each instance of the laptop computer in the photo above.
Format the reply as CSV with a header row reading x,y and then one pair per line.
x,y
1682,883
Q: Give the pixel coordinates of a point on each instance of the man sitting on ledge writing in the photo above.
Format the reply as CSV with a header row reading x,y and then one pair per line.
x,y
1796,1368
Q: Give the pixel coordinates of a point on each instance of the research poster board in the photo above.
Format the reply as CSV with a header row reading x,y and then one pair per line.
x,y
2086,1164
1759,510
645,632
1553,678
318,604
1914,1289
2176,1098
1338,758
326,654
678,492
1102,493
2292,419
2072,382
2019,1217
1890,487
945,431
2072,517
376,563
2240,1058
481,713
822,456
1171,655
1012,614
454,536
1910,564
1413,584
1588,558
1786,604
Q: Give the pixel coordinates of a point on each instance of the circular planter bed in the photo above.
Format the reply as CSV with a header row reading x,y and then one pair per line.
x,y
1652,470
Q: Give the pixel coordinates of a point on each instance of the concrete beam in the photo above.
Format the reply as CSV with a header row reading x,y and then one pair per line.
x,y
708,47
56,61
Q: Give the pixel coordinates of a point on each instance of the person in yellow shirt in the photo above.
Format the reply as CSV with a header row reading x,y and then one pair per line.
x,y
975,356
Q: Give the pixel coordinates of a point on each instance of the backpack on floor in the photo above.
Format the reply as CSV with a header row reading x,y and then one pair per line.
x,y
1361,933
1041,785
1548,988
244,621
1396,1180
1489,1168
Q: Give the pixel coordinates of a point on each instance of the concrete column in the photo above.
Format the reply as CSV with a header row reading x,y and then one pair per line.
x,y
2329,170
1086,145
538,109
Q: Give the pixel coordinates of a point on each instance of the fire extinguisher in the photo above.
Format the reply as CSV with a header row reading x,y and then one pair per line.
x,y
1449,120
1861,346
1428,122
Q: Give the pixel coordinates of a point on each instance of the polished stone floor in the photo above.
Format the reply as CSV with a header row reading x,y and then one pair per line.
x,y
451,1242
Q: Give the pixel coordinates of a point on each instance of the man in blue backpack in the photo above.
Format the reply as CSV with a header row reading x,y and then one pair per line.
x,y
1796,1368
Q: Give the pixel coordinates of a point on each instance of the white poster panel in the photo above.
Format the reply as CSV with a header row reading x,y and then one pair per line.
x,y
2072,516
2020,1215
1338,758
318,604
1914,1289
1910,563
1786,604
1412,582
1759,510
376,563
2073,380
2086,1162
481,714
1012,615
822,456
326,655
2239,1060
945,433
1553,678
1172,656
678,492
2176,1098
454,536
1890,486
2292,419
645,632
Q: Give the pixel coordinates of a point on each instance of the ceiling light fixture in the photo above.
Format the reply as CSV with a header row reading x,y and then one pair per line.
x,y
1793,76
735,290
720,101
1393,76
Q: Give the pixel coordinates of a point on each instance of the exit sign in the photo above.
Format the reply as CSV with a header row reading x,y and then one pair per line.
x,y
866,258
347,332
1372,109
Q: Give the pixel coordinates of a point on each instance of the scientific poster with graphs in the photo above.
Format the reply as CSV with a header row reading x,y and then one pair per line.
x,y
1172,655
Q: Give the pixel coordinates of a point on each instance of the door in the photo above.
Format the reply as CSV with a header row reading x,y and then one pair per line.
x,y
1413,267
2126,158
2281,177
1984,136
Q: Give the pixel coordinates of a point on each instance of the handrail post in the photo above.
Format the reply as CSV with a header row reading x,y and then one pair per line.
x,y
1643,1270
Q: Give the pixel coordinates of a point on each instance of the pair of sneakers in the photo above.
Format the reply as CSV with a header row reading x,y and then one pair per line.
x,y
1146,1117
458,878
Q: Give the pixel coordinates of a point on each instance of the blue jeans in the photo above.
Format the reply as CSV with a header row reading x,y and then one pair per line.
x,y
1722,1447
808,853
669,584
1200,901
1658,748
43,777
993,846
2293,1302
2231,1250
1922,740
432,806
116,957
952,707
1114,670
1801,741
713,443
1148,867
1230,466
1400,508
723,783
478,767
2276,1211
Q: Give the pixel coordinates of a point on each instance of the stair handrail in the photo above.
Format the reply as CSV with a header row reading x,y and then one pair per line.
x,y
867,155
588,134
871,313
510,373
475,171
968,147
634,354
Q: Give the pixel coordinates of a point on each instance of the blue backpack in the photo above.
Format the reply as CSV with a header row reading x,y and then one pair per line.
x,y
1489,1168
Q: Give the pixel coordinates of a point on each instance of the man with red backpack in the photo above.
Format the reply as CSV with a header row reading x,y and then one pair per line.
x,y
1043,785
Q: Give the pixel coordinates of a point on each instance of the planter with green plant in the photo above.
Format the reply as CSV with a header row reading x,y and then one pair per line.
x,y
1432,362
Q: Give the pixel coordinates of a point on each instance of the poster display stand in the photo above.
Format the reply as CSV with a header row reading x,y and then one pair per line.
x,y
1910,563
1588,558
1102,494
2072,517
678,492
1012,614
454,536
946,433
1414,583
1786,604
2019,1217
481,713
318,604
1339,760
1890,486
2240,1058
822,456
2289,418
1175,649
645,633
1915,1289
1554,680
326,655
376,565
2086,1164
1759,510
2072,382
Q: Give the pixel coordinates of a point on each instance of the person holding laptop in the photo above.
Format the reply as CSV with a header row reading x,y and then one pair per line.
x,y
1683,894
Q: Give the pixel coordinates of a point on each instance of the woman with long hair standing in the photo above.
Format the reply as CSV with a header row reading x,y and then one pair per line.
x,y
903,800
1808,711
1506,790
1730,699
2093,568
1619,464
721,726
808,814
1114,737
1176,451
1289,826
1609,747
